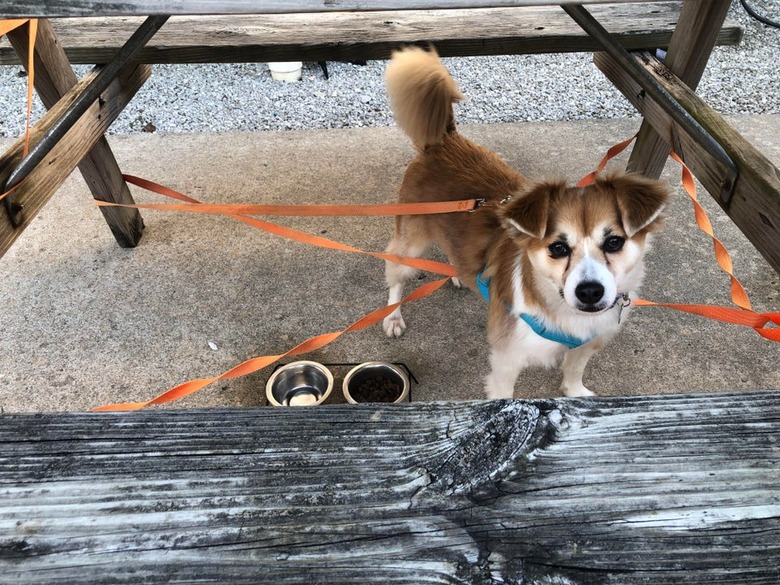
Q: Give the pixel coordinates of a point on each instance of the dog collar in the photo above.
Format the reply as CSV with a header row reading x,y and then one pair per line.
x,y
536,325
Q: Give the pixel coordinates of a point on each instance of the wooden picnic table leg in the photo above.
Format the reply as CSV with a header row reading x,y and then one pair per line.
x,y
689,51
54,76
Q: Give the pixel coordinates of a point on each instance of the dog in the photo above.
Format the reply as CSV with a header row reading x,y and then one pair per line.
x,y
557,264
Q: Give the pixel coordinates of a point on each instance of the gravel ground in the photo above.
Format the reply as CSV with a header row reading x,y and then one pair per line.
x,y
195,98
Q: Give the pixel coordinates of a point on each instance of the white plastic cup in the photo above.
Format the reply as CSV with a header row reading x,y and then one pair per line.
x,y
287,71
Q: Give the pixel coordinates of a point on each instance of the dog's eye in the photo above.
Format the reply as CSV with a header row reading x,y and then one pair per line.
x,y
613,244
559,249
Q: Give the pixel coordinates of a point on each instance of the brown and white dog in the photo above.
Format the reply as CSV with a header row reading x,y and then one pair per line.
x,y
558,263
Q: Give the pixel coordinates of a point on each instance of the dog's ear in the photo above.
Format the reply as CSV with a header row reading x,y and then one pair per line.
x,y
527,212
640,200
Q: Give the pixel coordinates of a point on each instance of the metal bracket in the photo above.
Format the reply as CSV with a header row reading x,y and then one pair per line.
x,y
80,105
662,97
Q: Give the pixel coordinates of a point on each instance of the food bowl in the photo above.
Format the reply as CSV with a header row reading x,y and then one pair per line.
x,y
376,382
302,383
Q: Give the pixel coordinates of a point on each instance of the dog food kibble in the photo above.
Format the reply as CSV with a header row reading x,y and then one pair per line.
x,y
377,389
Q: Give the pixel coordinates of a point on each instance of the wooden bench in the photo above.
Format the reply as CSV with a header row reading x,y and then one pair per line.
x,y
638,490
349,36
661,490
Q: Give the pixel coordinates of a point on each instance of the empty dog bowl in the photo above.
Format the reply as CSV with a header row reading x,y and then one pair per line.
x,y
376,382
301,383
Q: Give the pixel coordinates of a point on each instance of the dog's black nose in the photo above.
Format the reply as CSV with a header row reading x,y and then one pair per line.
x,y
589,292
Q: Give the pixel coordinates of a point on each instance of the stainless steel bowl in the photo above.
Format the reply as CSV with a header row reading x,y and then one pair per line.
x,y
302,383
376,382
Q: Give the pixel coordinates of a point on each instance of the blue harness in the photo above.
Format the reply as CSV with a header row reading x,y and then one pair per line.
x,y
570,341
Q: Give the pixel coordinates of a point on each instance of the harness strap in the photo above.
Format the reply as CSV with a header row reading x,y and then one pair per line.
x,y
536,324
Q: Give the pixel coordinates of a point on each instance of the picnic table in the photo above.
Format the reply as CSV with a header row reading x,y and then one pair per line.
x,y
668,489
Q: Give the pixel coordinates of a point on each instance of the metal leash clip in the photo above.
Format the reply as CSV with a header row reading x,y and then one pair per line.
x,y
479,202
622,303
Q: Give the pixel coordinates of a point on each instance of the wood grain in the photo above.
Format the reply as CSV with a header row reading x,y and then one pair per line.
x,y
47,177
674,489
755,206
689,51
368,35
55,8
54,77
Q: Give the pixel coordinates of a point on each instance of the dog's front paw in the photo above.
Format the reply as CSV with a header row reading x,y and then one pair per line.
x,y
498,390
578,390
394,325
456,282
492,394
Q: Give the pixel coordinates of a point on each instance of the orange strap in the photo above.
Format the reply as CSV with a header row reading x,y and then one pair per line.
x,y
5,27
434,207
257,363
611,153
738,294
311,344
757,321
302,237
745,315
746,318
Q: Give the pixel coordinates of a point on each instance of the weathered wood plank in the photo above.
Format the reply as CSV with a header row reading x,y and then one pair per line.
x,y
689,51
54,77
674,489
371,35
755,206
47,177
57,8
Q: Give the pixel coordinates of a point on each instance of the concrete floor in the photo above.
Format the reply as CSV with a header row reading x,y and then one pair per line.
x,y
84,322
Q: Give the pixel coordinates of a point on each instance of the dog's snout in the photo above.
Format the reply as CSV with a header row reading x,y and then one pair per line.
x,y
589,292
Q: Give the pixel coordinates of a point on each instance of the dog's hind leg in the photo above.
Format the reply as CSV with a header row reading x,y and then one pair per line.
x,y
409,242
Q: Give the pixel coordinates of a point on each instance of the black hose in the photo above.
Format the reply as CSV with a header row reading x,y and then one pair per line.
x,y
757,16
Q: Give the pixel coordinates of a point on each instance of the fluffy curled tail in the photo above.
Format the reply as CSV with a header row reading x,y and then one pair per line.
x,y
421,94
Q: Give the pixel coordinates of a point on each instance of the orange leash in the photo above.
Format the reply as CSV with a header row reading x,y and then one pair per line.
x,y
611,153
257,363
7,26
311,344
434,207
298,236
738,294
744,317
